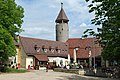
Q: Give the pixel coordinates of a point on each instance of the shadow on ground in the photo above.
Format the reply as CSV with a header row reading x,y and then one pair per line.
x,y
77,77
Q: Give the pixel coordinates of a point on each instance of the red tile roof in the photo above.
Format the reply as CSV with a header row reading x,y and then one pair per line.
x,y
28,45
41,57
82,44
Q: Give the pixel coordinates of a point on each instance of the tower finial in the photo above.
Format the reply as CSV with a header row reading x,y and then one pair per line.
x,y
61,5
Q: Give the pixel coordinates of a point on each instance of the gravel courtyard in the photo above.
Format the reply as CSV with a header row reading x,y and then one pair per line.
x,y
42,75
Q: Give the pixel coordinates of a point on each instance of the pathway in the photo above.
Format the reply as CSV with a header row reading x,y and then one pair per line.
x,y
42,75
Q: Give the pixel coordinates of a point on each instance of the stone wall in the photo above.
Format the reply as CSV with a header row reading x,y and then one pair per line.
x,y
62,32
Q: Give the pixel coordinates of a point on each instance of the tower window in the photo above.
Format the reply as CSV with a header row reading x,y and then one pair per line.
x,y
62,29
60,32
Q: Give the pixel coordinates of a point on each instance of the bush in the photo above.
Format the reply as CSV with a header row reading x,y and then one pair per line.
x,y
66,70
36,67
1,68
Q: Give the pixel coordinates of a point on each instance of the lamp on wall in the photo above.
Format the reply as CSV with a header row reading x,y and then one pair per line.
x,y
76,48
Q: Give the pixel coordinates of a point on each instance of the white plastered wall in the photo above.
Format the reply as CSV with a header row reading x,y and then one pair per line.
x,y
58,59
29,61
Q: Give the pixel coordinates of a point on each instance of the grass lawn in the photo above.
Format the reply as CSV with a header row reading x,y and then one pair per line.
x,y
12,70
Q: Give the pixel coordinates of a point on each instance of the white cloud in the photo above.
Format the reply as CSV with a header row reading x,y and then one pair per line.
x,y
77,32
38,30
83,25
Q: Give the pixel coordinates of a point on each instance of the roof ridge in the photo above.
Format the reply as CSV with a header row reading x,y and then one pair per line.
x,y
81,38
75,38
43,39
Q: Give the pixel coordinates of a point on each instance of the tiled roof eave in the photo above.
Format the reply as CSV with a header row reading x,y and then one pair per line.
x,y
31,54
41,57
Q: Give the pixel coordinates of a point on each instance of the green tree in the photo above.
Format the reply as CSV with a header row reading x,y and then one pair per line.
x,y
107,14
7,47
11,16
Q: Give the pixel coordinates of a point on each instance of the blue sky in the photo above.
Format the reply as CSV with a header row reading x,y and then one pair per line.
x,y
40,15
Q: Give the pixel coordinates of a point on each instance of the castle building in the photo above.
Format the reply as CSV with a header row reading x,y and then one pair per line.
x,y
32,52
36,52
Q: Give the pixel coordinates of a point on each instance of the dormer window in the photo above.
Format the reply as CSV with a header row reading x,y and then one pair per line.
x,y
52,50
58,50
38,50
35,47
45,50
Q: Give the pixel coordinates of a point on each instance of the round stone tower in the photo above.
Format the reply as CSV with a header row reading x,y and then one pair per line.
x,y
62,29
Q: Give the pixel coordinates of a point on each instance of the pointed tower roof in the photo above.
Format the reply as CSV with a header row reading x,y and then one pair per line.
x,y
61,16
